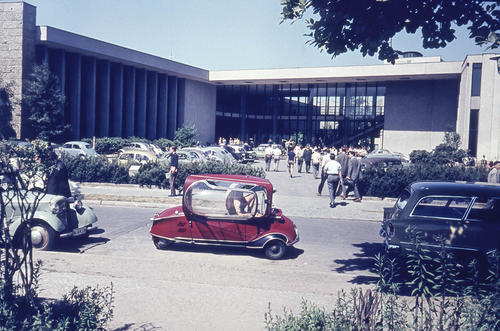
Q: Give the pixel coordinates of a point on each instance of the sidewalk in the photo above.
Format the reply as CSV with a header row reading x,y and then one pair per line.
x,y
295,196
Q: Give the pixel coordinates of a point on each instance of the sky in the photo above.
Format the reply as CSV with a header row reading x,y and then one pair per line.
x,y
216,34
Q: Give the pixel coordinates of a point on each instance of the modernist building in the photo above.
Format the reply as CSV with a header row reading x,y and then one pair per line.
x,y
115,91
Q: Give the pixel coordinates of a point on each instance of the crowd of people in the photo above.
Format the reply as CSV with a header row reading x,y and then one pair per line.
x,y
339,168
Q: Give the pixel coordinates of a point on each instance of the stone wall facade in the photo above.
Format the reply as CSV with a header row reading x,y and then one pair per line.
x,y
17,53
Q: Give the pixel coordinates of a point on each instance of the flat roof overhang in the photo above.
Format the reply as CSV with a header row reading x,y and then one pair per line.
x,y
345,74
72,42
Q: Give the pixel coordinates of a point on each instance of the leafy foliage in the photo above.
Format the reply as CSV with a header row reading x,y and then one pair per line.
x,y
186,136
339,26
6,107
440,298
96,169
44,100
20,307
389,182
153,174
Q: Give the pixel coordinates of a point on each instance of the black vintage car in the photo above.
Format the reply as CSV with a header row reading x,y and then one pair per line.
x,y
466,215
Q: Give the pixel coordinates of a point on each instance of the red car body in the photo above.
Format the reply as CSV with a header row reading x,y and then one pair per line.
x,y
209,215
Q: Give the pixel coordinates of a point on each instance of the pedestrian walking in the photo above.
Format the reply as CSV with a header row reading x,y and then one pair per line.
x,y
174,168
299,153
276,157
343,159
291,161
333,171
307,154
354,175
325,159
494,174
268,156
316,162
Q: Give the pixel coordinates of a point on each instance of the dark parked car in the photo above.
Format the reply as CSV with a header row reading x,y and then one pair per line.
x,y
226,210
467,215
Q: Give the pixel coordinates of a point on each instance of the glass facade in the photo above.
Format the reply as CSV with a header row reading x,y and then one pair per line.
x,y
329,113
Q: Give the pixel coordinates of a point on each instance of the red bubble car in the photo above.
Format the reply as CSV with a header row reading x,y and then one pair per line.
x,y
226,210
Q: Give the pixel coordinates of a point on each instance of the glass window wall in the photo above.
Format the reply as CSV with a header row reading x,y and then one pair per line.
x,y
328,113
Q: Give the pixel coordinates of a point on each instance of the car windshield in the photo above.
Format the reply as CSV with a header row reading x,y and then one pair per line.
x,y
226,199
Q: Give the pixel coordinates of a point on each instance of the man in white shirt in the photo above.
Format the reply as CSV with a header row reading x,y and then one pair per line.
x,y
276,157
316,162
333,170
299,153
268,156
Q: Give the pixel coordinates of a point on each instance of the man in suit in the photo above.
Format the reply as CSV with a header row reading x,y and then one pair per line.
x,y
307,158
343,159
354,175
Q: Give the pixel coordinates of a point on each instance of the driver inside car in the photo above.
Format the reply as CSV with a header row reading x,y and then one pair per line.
x,y
240,203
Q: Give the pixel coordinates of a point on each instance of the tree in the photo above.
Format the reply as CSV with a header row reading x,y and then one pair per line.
x,y
44,100
6,96
186,136
338,26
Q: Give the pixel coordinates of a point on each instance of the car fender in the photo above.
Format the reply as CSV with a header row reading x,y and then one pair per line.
x,y
85,216
51,219
262,241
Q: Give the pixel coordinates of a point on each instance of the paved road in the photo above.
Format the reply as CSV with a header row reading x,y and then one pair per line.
x,y
188,288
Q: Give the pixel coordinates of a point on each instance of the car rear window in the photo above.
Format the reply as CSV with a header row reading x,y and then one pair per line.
x,y
485,209
442,207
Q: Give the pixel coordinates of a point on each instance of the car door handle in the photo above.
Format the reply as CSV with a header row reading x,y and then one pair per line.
x,y
181,223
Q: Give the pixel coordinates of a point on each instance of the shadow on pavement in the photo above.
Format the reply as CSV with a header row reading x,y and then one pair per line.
x,y
80,244
361,261
142,327
291,253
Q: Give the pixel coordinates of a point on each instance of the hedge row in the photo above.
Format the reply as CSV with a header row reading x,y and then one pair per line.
x,y
111,145
99,169
389,182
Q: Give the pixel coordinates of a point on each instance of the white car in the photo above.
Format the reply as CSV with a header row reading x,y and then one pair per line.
x,y
219,153
77,149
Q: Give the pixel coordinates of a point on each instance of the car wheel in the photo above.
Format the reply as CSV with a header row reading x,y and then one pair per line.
x,y
42,237
161,243
275,250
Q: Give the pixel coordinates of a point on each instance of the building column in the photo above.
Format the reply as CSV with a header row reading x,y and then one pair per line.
x,y
162,106
181,98
152,105
103,98
275,109
243,112
73,93
172,107
140,102
116,116
89,96
129,101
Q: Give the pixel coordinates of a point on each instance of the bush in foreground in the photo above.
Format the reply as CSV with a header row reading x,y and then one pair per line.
x,y
423,290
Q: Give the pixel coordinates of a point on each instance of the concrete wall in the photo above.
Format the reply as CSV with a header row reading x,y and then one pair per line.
x,y
488,104
17,52
199,109
417,113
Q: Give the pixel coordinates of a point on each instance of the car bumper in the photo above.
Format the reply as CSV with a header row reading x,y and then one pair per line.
x,y
77,232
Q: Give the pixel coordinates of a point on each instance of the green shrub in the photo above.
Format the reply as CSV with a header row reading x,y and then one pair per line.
x,y
434,294
109,145
96,169
153,174
164,143
389,182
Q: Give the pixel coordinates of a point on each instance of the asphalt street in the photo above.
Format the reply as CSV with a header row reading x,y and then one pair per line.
x,y
193,288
